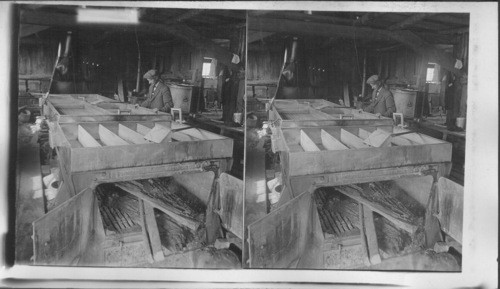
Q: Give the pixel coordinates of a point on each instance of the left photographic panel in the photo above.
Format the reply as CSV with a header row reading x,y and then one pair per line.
x,y
130,136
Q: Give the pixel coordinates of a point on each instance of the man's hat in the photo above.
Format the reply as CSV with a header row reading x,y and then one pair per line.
x,y
372,79
150,74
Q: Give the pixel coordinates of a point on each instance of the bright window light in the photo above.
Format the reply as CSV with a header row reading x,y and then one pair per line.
x,y
205,72
120,16
430,74
431,71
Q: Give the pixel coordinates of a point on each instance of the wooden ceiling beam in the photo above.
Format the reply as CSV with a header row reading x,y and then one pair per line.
x,y
228,13
310,17
450,19
408,22
455,31
415,43
257,13
181,31
28,29
368,17
294,27
405,37
185,16
365,18
257,35
433,38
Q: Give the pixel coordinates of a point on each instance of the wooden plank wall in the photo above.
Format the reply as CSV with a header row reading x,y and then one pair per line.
x,y
337,61
117,59
264,65
400,66
343,62
36,60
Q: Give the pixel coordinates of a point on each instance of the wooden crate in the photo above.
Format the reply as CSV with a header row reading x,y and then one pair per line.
x,y
90,151
92,107
320,112
333,149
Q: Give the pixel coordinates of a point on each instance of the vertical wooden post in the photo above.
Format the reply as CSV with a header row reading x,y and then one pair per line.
x,y
422,73
363,85
364,245
138,82
371,236
153,234
147,245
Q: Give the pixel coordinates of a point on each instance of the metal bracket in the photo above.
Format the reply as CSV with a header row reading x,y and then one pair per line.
x,y
124,111
346,116
431,172
212,167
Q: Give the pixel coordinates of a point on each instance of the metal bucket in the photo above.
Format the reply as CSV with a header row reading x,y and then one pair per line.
x,y
181,96
406,102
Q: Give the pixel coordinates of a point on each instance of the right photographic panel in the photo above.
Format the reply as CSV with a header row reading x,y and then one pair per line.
x,y
355,140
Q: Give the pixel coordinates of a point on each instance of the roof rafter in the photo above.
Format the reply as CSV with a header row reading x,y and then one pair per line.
x,y
409,21
181,31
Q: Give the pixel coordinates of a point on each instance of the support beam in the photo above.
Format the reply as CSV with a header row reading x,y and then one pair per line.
x,y
455,31
151,228
257,35
256,13
364,244
180,31
368,17
405,37
371,235
237,14
459,19
409,21
312,28
27,29
184,16
311,18
414,42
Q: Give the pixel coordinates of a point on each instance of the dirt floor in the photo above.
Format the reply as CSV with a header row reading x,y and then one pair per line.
x,y
29,185
426,260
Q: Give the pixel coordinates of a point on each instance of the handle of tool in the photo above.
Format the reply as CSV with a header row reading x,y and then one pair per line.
x,y
402,133
179,129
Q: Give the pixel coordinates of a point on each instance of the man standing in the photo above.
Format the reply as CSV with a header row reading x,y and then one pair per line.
x,y
159,97
382,102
